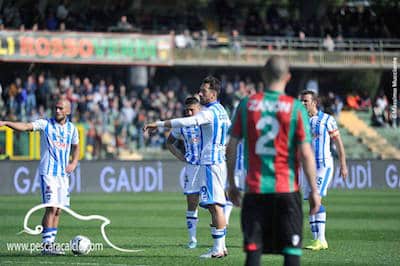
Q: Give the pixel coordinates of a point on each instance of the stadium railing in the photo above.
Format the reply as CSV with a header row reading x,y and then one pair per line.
x,y
304,53
309,43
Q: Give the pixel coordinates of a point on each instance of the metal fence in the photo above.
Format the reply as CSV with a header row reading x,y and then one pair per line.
x,y
295,43
308,53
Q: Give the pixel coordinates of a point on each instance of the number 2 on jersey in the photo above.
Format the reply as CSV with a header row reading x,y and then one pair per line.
x,y
266,139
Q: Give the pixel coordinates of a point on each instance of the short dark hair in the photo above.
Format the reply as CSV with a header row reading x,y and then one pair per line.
x,y
215,84
191,100
275,69
313,94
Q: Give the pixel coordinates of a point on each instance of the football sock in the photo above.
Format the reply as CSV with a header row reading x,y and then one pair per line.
x,y
228,210
219,238
320,220
53,235
48,234
223,241
191,222
313,226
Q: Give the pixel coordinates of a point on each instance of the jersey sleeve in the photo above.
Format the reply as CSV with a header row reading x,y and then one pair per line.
x,y
332,127
236,127
176,133
303,133
75,136
205,116
39,124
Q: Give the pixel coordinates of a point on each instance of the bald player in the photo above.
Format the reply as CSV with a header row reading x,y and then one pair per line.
x,y
57,136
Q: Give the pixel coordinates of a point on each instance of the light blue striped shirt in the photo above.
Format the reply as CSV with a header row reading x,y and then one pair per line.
x,y
55,145
214,123
191,138
322,127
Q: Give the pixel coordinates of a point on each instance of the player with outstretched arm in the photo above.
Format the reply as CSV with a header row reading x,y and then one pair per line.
x,y
214,123
57,137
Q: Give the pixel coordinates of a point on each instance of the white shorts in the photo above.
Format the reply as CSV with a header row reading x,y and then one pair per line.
x,y
55,190
191,183
324,178
240,177
213,181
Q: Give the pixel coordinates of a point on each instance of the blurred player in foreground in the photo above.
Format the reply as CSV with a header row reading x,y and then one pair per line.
x,y
191,138
57,137
323,129
275,131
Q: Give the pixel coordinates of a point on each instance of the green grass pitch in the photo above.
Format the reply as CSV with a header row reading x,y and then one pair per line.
x,y
363,228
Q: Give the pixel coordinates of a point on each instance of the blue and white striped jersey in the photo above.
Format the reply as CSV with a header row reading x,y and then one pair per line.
x,y
239,166
191,138
55,145
323,128
214,123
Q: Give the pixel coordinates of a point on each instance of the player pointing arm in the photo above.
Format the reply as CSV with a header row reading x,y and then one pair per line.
x,y
214,123
58,136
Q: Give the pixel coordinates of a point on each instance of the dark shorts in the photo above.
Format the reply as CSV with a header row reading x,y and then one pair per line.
x,y
272,223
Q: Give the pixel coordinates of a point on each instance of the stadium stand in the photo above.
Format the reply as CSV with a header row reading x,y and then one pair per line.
x,y
348,19
111,114
368,135
355,148
210,34
391,134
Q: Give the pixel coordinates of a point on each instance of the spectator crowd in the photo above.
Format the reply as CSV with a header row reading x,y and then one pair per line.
x,y
113,115
367,19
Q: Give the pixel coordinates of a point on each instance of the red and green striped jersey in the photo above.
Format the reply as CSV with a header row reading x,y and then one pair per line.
x,y
273,125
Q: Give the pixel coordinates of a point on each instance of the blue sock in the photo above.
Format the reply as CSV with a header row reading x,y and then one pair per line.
x,y
48,235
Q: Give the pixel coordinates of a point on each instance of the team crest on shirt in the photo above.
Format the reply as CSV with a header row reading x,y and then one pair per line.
x,y
59,136
295,240
195,140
